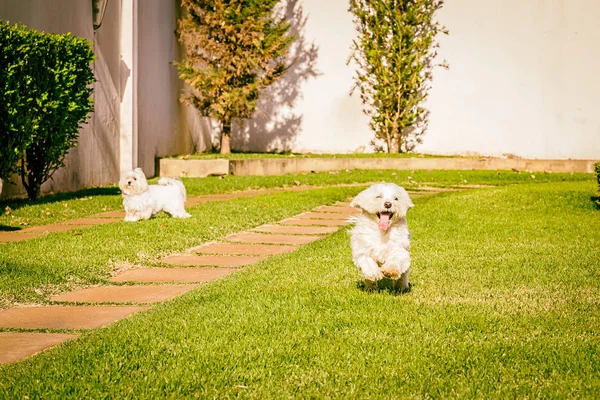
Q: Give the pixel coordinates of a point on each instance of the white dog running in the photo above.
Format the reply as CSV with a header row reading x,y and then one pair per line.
x,y
141,201
380,240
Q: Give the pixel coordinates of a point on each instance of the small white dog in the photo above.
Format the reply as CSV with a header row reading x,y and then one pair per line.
x,y
141,201
380,240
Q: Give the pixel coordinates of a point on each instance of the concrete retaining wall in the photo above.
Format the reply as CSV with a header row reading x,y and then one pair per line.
x,y
282,166
193,168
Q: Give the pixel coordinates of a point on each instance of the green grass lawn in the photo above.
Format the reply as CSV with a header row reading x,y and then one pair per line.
x,y
31,270
504,304
19,214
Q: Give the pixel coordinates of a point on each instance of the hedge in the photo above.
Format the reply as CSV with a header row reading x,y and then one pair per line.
x,y
45,96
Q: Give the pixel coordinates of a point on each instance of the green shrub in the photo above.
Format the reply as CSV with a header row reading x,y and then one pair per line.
x,y
47,79
16,131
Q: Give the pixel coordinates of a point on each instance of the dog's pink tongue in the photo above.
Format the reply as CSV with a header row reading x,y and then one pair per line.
x,y
384,221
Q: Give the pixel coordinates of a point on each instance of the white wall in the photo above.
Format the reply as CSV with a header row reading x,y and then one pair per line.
x,y
162,130
523,80
309,108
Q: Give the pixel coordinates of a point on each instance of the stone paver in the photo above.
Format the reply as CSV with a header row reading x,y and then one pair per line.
x,y
52,228
337,209
17,236
217,260
111,214
204,199
296,230
325,215
317,222
242,248
90,221
187,275
17,345
274,239
228,196
64,317
124,294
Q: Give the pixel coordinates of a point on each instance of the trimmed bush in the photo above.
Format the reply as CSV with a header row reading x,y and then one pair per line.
x,y
46,96
15,130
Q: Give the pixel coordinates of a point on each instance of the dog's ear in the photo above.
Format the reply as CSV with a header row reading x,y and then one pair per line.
x,y
404,201
362,198
142,183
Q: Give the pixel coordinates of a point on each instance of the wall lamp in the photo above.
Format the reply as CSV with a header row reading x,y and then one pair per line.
x,y
98,9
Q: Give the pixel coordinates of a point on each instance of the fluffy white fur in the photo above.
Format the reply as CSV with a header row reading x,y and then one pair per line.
x,y
380,240
141,201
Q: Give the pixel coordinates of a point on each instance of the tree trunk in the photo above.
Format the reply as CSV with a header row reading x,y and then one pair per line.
x,y
395,145
30,179
226,138
388,141
33,190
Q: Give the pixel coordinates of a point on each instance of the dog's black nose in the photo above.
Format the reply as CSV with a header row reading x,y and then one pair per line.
x,y
387,204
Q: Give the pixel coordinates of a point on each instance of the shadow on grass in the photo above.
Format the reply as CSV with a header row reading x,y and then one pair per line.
x,y
386,285
596,201
15,204
7,228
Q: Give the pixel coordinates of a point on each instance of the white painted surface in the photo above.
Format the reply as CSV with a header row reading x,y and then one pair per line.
x,y
161,119
310,109
523,80
129,79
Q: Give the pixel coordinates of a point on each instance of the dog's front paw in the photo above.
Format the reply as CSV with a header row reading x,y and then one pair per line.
x,y
373,275
391,273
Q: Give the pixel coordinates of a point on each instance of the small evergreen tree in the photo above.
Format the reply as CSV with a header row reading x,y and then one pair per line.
x,y
234,48
395,52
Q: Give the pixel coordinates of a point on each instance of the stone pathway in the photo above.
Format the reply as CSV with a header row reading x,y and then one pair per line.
x,y
107,218
94,307
137,289
115,216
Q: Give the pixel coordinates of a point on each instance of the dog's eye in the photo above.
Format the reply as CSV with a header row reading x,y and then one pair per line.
x,y
395,198
134,178
379,197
